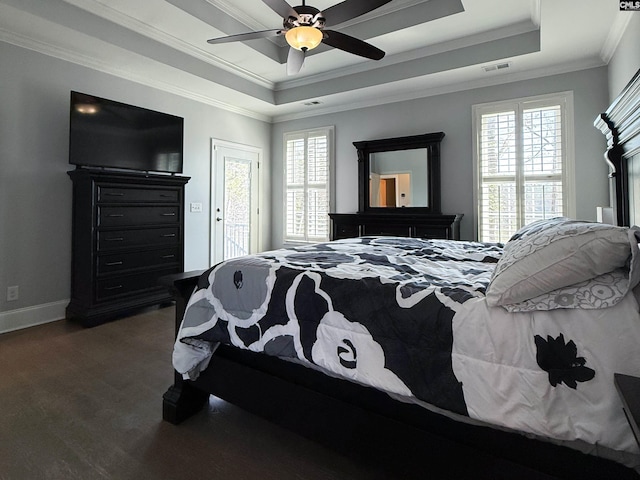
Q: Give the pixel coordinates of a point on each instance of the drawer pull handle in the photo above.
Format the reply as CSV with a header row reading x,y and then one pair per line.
x,y
115,287
166,195
166,235
114,239
111,264
168,256
115,215
114,194
168,214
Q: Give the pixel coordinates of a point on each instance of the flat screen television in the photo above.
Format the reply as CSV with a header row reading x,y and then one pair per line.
x,y
109,134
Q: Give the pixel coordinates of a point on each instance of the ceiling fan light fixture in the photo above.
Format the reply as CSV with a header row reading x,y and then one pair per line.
x,y
304,38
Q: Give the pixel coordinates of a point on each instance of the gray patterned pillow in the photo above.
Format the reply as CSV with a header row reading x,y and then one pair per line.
x,y
538,226
551,254
599,292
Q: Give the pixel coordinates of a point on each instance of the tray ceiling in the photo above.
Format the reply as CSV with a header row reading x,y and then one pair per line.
x,y
432,47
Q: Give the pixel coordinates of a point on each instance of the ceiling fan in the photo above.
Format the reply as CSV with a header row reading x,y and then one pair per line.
x,y
304,29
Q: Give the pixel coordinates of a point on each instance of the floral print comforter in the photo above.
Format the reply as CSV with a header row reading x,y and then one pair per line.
x,y
409,317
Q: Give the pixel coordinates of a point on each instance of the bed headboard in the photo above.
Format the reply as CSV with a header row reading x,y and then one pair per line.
x,y
621,125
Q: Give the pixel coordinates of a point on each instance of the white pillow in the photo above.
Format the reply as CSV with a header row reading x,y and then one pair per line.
x,y
550,254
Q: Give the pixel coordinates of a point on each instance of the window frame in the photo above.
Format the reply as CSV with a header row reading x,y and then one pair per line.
x,y
328,131
565,101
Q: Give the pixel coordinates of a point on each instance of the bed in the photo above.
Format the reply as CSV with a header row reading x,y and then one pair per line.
x,y
508,350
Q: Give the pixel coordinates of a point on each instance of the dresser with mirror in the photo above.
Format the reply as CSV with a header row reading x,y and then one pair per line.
x,y
398,191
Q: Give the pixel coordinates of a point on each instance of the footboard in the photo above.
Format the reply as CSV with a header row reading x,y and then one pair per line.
x,y
181,400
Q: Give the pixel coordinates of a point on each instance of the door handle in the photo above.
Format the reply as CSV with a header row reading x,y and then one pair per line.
x,y
218,219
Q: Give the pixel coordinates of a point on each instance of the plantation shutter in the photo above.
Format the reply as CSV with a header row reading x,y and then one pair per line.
x,y
521,165
307,170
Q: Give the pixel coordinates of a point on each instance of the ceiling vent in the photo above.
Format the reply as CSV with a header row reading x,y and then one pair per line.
x,y
312,102
497,66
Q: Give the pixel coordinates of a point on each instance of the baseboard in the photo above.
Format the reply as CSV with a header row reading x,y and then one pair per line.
x,y
32,316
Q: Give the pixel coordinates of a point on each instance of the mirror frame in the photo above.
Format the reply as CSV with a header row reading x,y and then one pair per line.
x,y
429,141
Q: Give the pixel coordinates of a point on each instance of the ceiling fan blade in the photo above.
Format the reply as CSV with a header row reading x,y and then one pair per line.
x,y
295,59
282,8
247,36
349,9
351,44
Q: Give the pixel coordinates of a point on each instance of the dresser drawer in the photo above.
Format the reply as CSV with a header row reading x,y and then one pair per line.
x,y
122,262
120,216
131,284
113,194
386,230
112,239
406,224
433,232
346,231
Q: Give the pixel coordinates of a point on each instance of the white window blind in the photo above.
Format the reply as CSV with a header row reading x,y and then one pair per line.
x,y
307,185
523,166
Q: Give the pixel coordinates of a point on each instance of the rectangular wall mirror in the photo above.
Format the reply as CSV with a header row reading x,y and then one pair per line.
x,y
400,174
399,179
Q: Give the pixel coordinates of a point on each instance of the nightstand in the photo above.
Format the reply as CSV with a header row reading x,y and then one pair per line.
x,y
629,389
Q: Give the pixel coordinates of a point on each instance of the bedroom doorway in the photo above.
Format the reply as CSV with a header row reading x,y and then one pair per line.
x,y
234,200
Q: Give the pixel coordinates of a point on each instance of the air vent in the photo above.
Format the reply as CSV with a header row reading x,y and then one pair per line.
x,y
312,102
497,66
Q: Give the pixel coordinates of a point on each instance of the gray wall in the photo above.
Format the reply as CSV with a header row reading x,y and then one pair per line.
x,y
406,161
35,191
626,60
451,114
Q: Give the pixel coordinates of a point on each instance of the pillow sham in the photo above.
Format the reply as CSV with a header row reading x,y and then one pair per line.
x,y
600,292
538,226
551,254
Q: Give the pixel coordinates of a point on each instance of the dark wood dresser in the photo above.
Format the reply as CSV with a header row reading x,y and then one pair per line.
x,y
421,225
128,230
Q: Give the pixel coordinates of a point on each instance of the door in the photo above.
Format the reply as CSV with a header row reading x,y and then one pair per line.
x,y
374,188
234,197
390,192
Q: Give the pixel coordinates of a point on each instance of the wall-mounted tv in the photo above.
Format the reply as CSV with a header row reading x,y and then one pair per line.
x,y
108,134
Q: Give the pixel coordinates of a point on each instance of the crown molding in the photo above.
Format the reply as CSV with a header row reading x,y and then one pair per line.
x,y
91,62
234,12
409,95
536,12
616,32
108,12
420,53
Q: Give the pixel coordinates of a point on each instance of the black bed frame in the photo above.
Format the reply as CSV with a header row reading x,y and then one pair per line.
x,y
369,423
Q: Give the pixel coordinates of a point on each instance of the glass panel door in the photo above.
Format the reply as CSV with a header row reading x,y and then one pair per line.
x,y
234,221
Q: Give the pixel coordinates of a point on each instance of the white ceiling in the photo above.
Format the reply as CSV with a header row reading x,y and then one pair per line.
x,y
432,47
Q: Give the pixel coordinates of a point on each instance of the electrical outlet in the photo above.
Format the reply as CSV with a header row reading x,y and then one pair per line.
x,y
12,293
195,207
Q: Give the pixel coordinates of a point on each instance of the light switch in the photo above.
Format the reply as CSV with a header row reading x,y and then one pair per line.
x,y
195,207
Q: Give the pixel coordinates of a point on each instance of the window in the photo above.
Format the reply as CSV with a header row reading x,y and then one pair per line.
x,y
308,165
523,160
